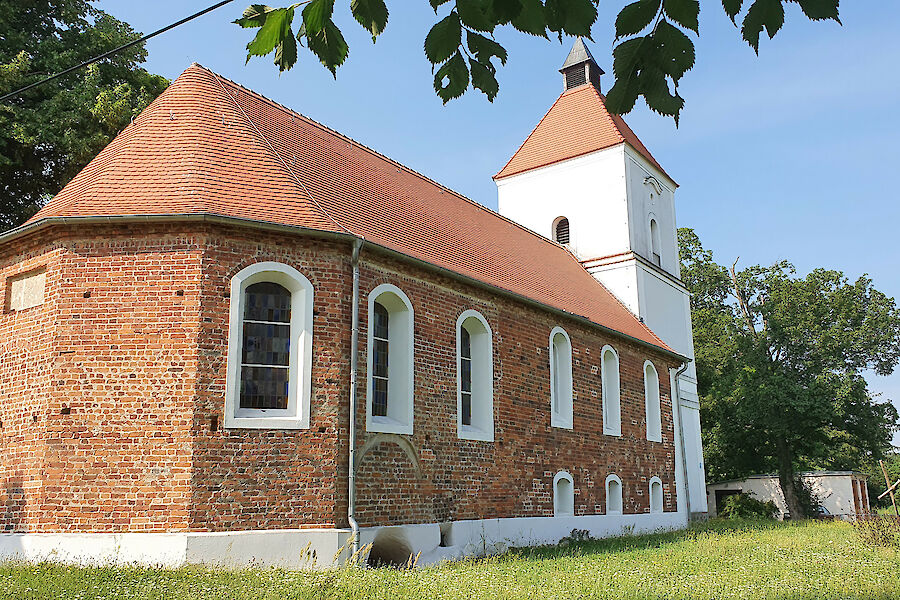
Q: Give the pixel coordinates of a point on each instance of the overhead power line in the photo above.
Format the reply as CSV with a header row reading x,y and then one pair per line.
x,y
116,50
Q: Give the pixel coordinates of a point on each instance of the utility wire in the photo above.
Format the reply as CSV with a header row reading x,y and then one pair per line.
x,y
116,50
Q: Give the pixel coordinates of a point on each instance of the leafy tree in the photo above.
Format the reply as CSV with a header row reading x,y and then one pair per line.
x,y
779,364
654,48
51,132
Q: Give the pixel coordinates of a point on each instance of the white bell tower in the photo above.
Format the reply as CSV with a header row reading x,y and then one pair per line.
x,y
585,180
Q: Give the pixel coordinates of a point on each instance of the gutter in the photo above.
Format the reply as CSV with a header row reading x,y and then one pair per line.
x,y
354,360
684,467
298,230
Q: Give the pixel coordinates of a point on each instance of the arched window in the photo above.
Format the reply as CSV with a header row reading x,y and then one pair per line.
x,y
613,495
609,380
652,403
475,377
560,379
269,348
655,248
389,361
561,231
563,495
656,495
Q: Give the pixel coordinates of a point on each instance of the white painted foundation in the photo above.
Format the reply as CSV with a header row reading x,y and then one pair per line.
x,y
318,548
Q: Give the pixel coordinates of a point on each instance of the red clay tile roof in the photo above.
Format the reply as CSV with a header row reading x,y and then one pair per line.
x,y
577,124
207,146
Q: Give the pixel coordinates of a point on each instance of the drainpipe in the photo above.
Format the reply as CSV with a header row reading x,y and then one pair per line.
x,y
684,467
354,360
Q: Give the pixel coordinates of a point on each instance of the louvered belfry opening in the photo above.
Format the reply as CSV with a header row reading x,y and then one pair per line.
x,y
562,231
580,67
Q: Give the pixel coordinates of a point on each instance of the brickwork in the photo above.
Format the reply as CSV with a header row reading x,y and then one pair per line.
x,y
124,366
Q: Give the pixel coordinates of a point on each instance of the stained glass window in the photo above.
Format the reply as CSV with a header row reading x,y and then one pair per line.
x,y
465,368
265,352
380,361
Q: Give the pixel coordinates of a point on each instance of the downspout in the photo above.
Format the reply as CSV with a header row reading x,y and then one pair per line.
x,y
354,360
684,466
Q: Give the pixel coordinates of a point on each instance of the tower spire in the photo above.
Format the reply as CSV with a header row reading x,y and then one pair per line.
x,y
580,67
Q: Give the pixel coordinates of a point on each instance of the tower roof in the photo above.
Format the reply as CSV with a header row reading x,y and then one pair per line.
x,y
579,54
207,146
578,123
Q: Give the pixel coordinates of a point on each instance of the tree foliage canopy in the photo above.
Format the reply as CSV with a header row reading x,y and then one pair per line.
x,y
780,363
51,132
654,46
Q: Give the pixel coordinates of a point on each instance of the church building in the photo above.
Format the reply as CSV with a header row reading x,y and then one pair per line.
x,y
238,337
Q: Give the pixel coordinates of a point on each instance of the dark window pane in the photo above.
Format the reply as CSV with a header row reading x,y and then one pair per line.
x,y
465,343
382,317
379,397
465,374
380,359
266,344
466,409
264,387
267,301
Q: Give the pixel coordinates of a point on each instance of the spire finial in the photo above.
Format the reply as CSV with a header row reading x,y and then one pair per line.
x,y
580,67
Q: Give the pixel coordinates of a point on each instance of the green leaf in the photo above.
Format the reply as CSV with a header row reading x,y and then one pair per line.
x,y
505,11
684,12
732,8
452,79
476,14
436,3
768,14
574,17
628,60
371,14
317,14
286,53
531,19
485,48
660,99
443,39
483,79
254,15
674,50
632,19
329,45
275,27
818,10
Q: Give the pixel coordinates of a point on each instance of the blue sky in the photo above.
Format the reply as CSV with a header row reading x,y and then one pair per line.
x,y
789,155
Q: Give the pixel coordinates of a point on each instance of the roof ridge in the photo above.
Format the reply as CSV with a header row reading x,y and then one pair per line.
x,y
274,151
374,152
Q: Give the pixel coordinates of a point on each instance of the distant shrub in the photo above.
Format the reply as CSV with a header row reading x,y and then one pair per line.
x,y
879,530
742,506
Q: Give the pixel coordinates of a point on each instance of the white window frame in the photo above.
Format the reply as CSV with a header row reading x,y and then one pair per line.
x,y
296,415
611,395
559,503
401,380
621,497
561,381
652,404
661,507
482,347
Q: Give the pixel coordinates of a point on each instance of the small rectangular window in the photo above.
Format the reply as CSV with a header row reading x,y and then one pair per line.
x,y
26,290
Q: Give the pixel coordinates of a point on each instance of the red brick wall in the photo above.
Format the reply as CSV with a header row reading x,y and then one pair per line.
x,y
132,343
512,476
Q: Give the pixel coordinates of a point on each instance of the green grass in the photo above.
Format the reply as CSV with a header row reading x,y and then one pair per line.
x,y
716,560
